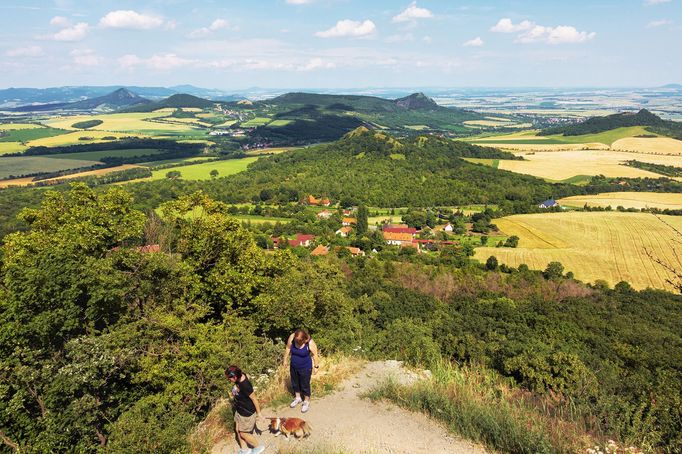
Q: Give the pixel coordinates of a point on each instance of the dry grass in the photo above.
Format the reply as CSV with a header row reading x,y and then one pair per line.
x,y
627,199
11,147
560,165
17,126
217,426
654,145
610,246
547,146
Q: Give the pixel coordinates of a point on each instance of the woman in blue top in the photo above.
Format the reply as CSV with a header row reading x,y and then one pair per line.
x,y
303,352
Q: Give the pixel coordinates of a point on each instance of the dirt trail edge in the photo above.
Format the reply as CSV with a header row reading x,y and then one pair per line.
x,y
345,421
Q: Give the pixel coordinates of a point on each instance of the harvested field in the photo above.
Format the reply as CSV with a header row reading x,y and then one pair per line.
x,y
18,126
29,181
594,245
652,145
627,199
561,165
123,122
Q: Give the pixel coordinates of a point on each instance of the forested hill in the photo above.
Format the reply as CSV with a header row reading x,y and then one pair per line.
x,y
377,169
358,103
600,124
174,101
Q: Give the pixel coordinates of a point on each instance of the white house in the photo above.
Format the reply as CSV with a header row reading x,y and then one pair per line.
x,y
549,203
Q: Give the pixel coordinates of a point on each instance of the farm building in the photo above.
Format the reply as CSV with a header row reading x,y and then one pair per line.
x,y
324,214
349,221
320,250
344,231
549,203
397,239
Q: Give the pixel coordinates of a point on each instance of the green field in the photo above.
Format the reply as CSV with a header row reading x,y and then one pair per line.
x,y
175,161
260,219
25,135
203,171
280,122
254,122
23,165
495,163
606,137
97,155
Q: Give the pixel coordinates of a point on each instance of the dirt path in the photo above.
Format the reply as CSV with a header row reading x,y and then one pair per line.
x,y
345,422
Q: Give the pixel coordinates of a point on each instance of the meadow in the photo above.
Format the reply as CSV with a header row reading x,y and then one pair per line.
x,y
33,164
637,200
74,138
609,246
528,140
97,155
28,134
254,122
203,171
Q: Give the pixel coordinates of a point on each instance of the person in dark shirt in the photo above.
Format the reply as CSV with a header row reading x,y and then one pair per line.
x,y
247,411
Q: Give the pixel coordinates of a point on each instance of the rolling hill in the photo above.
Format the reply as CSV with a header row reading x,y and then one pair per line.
x,y
174,101
596,125
377,169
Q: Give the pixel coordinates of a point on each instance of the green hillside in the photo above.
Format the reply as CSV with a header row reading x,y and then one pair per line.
x,y
175,101
596,125
361,166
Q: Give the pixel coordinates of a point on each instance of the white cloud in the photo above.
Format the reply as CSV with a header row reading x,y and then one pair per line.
x,y
130,61
349,28
476,42
317,63
412,13
60,21
85,57
75,33
534,33
655,2
658,23
562,34
159,62
506,25
299,2
30,51
427,39
130,19
205,31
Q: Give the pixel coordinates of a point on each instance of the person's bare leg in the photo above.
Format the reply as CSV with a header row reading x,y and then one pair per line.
x,y
249,439
240,441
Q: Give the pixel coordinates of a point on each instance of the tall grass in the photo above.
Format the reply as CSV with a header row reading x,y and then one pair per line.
x,y
481,406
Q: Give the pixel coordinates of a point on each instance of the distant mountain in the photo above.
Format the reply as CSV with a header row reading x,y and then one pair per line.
x,y
417,101
13,97
673,86
595,125
358,103
115,100
174,101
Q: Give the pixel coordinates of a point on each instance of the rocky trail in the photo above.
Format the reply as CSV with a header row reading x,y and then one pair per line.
x,y
345,422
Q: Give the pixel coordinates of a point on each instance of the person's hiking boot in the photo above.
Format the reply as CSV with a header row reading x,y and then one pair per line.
x,y
244,451
257,449
305,407
295,402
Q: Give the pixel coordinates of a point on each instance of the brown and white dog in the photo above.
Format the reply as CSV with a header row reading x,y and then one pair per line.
x,y
289,426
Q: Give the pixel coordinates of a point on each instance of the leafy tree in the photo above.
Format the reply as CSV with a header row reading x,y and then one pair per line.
x,y
491,264
553,271
214,173
362,215
173,175
512,241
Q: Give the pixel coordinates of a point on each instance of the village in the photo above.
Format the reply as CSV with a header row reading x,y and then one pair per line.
x,y
321,227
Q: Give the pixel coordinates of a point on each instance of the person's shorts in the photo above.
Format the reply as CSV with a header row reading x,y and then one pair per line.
x,y
245,423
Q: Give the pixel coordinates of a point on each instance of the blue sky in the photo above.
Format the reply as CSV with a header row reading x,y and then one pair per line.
x,y
233,45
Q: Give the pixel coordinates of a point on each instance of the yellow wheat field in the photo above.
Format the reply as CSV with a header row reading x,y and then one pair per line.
x,y
599,245
654,145
627,199
11,147
123,122
548,146
73,138
560,165
28,181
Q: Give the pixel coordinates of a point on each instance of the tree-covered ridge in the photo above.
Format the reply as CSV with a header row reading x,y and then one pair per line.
x,y
595,125
379,170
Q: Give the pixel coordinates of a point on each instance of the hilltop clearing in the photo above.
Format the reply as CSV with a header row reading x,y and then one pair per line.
x,y
348,422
